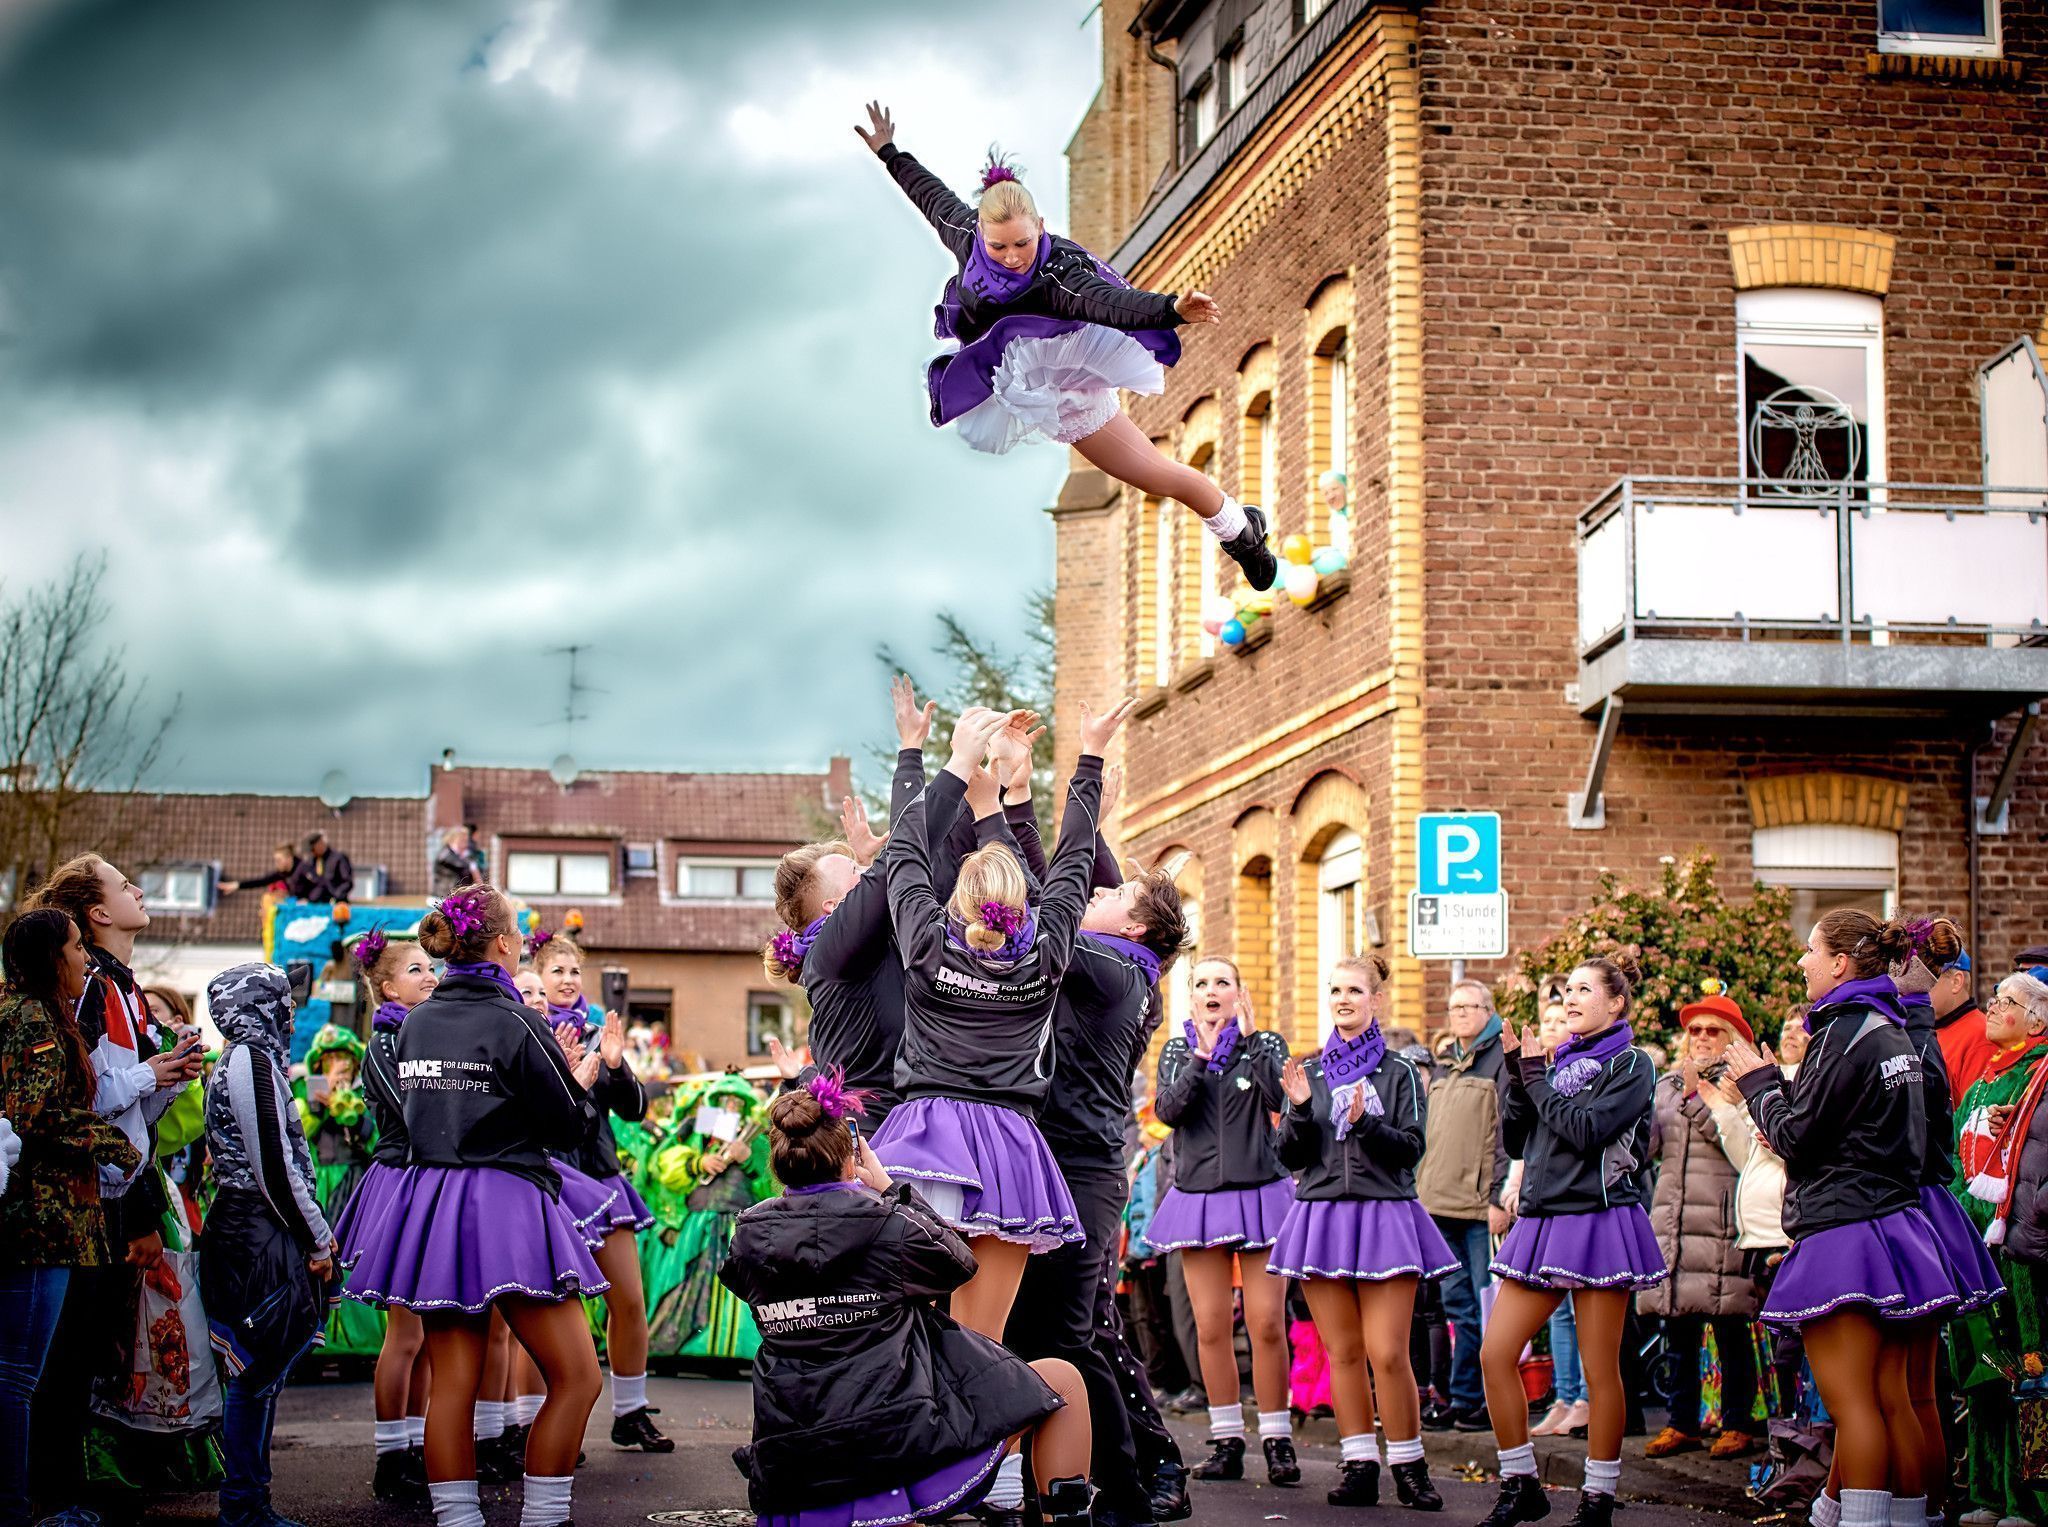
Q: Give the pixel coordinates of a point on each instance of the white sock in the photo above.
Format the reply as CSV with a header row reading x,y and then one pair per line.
x,y
1360,1447
1826,1511
1008,1490
455,1503
1404,1452
526,1407
629,1393
390,1437
415,1431
1866,1508
1226,1421
1518,1460
1909,1511
490,1420
1603,1476
547,1500
1226,522
1273,1423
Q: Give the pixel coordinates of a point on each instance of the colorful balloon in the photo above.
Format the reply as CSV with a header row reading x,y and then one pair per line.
x,y
1232,634
1296,549
1301,583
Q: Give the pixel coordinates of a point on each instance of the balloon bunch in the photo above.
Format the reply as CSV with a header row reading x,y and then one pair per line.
x,y
1303,567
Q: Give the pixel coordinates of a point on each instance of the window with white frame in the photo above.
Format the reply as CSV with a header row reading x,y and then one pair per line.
x,y
1811,370
7,887
1180,980
1310,9
1340,915
1340,410
769,1013
640,861
558,872
1269,459
1208,563
1967,27
1203,110
177,888
1237,77
1164,513
725,879
1826,865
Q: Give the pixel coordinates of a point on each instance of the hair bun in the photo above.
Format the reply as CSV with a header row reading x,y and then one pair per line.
x,y
437,935
984,939
998,168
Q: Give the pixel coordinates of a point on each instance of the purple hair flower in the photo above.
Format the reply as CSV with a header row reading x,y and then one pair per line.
x,y
538,940
465,913
788,949
370,947
835,1098
1005,919
997,169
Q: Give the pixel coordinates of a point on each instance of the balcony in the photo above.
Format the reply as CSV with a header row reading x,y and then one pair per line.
x,y
1744,596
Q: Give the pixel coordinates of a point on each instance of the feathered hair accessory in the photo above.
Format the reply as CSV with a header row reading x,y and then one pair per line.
x,y
1007,920
999,168
1920,930
835,1099
369,948
788,949
465,912
538,940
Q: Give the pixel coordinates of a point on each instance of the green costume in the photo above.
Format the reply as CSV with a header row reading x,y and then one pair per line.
x,y
697,1203
1992,1348
339,1133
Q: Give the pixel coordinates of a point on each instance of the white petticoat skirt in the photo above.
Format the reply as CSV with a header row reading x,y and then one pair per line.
x,y
1062,389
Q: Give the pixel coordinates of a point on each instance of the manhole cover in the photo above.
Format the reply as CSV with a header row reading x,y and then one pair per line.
x,y
704,1518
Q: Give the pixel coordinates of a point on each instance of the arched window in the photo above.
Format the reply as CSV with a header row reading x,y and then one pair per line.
x,y
1153,630
1340,914
1200,556
1252,922
1811,364
1330,437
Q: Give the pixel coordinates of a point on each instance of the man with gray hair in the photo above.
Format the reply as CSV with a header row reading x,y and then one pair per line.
x,y
1464,1168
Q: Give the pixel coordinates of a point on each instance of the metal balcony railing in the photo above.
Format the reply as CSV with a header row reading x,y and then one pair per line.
x,y
1749,558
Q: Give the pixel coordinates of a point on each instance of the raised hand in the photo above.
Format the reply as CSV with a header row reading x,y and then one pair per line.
x,y
1510,1041
881,129
585,1069
787,1062
1010,749
1196,307
1096,731
1742,1060
984,795
1294,1082
870,1170
611,1040
913,721
972,734
861,838
1357,1110
1112,790
571,1041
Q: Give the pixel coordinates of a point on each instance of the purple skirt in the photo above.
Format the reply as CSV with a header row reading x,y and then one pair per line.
x,y
368,1205
984,1169
465,1236
1970,1266
1369,1238
1605,1248
1249,1218
955,1488
599,1205
1893,1263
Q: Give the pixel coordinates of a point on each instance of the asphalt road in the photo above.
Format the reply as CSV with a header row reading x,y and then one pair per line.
x,y
323,1459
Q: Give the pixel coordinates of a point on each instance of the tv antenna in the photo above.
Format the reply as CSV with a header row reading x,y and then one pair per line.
x,y
571,713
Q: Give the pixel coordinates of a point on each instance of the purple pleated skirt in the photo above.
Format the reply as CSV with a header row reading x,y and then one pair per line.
x,y
985,1170
368,1205
1605,1248
1970,1266
599,1205
1894,1264
462,1237
1369,1238
1249,1218
944,1492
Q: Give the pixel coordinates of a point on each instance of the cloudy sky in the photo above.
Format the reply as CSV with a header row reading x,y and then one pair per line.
x,y
384,347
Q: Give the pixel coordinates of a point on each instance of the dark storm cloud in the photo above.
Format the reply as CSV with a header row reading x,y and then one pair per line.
x,y
438,335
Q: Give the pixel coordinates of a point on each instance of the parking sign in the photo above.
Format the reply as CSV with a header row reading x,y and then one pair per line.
x,y
1457,853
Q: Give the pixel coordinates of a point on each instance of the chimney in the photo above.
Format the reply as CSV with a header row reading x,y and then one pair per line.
x,y
444,799
838,780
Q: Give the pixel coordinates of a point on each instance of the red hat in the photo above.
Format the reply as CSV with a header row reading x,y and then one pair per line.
x,y
1718,1004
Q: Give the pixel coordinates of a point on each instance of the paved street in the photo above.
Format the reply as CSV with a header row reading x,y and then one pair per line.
x,y
323,1469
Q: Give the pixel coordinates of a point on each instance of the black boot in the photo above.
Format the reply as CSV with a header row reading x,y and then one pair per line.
x,y
493,1465
1521,1499
1595,1510
636,1429
395,1482
1064,1503
1170,1501
1226,1461
1411,1484
1358,1484
1282,1467
1248,549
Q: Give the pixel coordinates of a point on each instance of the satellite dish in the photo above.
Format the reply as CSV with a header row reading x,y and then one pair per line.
x,y
563,771
334,791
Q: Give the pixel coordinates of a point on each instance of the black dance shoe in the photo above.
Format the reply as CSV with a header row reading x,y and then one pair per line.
x,y
1411,1484
636,1429
1170,1501
1064,1503
1225,1460
1358,1484
395,1481
1248,549
1282,1467
1521,1499
1596,1509
496,1466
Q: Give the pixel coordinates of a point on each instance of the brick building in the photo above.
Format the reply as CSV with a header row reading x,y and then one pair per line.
x,y
1665,350
672,873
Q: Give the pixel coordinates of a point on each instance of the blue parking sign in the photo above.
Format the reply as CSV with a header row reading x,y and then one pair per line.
x,y
1457,853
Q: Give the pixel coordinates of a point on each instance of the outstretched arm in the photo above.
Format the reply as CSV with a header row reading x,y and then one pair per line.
x,y
951,218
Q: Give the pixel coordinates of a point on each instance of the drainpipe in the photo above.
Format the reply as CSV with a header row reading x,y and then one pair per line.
x,y
1152,52
1970,818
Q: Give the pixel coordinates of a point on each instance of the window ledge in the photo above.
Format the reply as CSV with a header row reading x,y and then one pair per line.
x,y
1965,68
1330,588
1194,675
1255,638
1151,701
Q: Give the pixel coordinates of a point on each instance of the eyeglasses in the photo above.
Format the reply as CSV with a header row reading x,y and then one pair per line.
x,y
1469,1007
1704,1031
1998,998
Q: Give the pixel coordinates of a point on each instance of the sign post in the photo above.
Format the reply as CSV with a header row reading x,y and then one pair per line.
x,y
1457,910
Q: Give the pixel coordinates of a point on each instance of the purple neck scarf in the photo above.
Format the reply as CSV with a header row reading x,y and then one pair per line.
x,y
1584,1056
578,1014
1015,947
389,1016
1880,993
792,948
1132,950
486,970
1348,1065
996,283
1225,1047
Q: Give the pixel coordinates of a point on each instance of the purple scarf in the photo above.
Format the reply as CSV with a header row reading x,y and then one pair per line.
x,y
1132,950
997,283
1348,1065
1014,948
1879,993
486,970
1226,1042
792,948
388,1017
1584,1056
578,1015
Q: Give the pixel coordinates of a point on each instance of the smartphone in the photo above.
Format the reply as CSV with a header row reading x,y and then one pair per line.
x,y
853,1127
317,1089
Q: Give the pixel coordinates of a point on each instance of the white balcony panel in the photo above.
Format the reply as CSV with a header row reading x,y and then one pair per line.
x,y
1926,569
1603,580
1708,563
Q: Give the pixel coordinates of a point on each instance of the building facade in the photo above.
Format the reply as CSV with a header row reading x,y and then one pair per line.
x,y
1665,354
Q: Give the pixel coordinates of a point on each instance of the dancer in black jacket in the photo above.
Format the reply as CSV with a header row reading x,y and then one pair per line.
x,y
1042,336
872,1409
